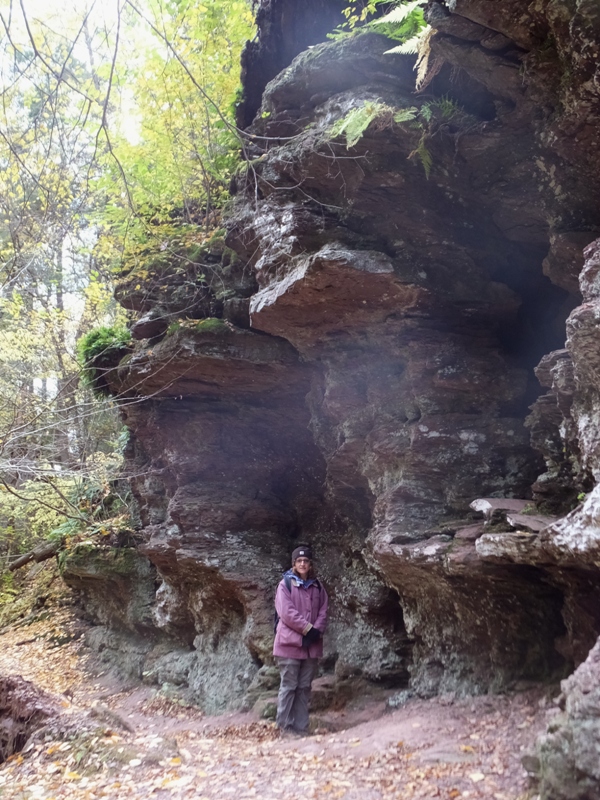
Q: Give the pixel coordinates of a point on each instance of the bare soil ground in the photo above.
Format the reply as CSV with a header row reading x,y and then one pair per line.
x,y
117,742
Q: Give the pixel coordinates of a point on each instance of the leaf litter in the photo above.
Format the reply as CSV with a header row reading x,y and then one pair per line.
x,y
112,741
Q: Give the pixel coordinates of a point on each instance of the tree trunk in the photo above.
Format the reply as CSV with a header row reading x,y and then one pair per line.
x,y
40,553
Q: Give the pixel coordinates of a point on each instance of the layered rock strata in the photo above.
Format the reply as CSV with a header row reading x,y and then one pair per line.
x,y
368,370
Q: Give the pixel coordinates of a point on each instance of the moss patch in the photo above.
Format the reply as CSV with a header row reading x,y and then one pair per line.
x,y
209,325
86,559
99,352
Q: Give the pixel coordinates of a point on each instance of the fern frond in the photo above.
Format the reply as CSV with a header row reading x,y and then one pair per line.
x,y
424,51
448,107
357,120
406,114
426,157
423,155
432,69
427,111
399,14
408,48
415,44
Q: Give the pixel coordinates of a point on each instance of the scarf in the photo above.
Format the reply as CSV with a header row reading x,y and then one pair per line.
x,y
303,583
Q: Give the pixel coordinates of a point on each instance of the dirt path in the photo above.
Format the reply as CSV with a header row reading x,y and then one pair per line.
x,y
440,748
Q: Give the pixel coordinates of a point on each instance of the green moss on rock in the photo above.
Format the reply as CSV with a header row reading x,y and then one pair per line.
x,y
211,325
89,560
99,352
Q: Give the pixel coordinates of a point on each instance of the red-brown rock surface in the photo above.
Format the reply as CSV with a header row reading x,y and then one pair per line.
x,y
23,708
384,313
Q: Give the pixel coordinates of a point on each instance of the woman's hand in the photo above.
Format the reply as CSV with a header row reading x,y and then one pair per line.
x,y
313,635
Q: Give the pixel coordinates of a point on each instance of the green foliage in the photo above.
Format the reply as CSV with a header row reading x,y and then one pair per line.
x,y
65,530
448,108
428,118
97,350
356,13
208,325
406,115
62,507
412,43
178,156
174,327
403,23
426,111
357,120
7,590
101,341
424,156
211,325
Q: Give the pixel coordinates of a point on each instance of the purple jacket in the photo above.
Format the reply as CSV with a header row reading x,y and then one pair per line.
x,y
299,610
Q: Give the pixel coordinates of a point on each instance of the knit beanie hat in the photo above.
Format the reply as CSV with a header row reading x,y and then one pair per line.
x,y
302,551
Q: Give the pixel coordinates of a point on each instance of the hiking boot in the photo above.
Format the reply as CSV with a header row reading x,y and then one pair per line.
x,y
292,733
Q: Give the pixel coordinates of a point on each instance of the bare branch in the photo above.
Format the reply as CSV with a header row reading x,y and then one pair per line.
x,y
58,510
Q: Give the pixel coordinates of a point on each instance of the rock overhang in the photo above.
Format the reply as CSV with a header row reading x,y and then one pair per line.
x,y
409,313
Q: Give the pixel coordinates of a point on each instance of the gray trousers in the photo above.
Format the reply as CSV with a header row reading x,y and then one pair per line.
x,y
294,692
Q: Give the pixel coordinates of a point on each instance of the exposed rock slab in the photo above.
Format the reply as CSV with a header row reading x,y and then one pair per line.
x,y
492,507
529,522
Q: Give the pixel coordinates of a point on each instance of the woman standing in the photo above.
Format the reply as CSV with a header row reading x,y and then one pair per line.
x,y
301,604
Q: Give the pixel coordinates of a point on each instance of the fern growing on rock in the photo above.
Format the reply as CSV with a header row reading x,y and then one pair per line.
x,y
354,124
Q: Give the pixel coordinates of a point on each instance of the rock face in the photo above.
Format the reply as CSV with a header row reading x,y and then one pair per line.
x,y
23,709
568,765
368,369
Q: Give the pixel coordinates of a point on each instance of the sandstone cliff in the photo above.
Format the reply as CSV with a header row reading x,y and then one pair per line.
x,y
360,366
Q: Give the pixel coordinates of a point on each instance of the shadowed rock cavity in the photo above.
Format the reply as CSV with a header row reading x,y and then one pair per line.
x,y
284,30
375,367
